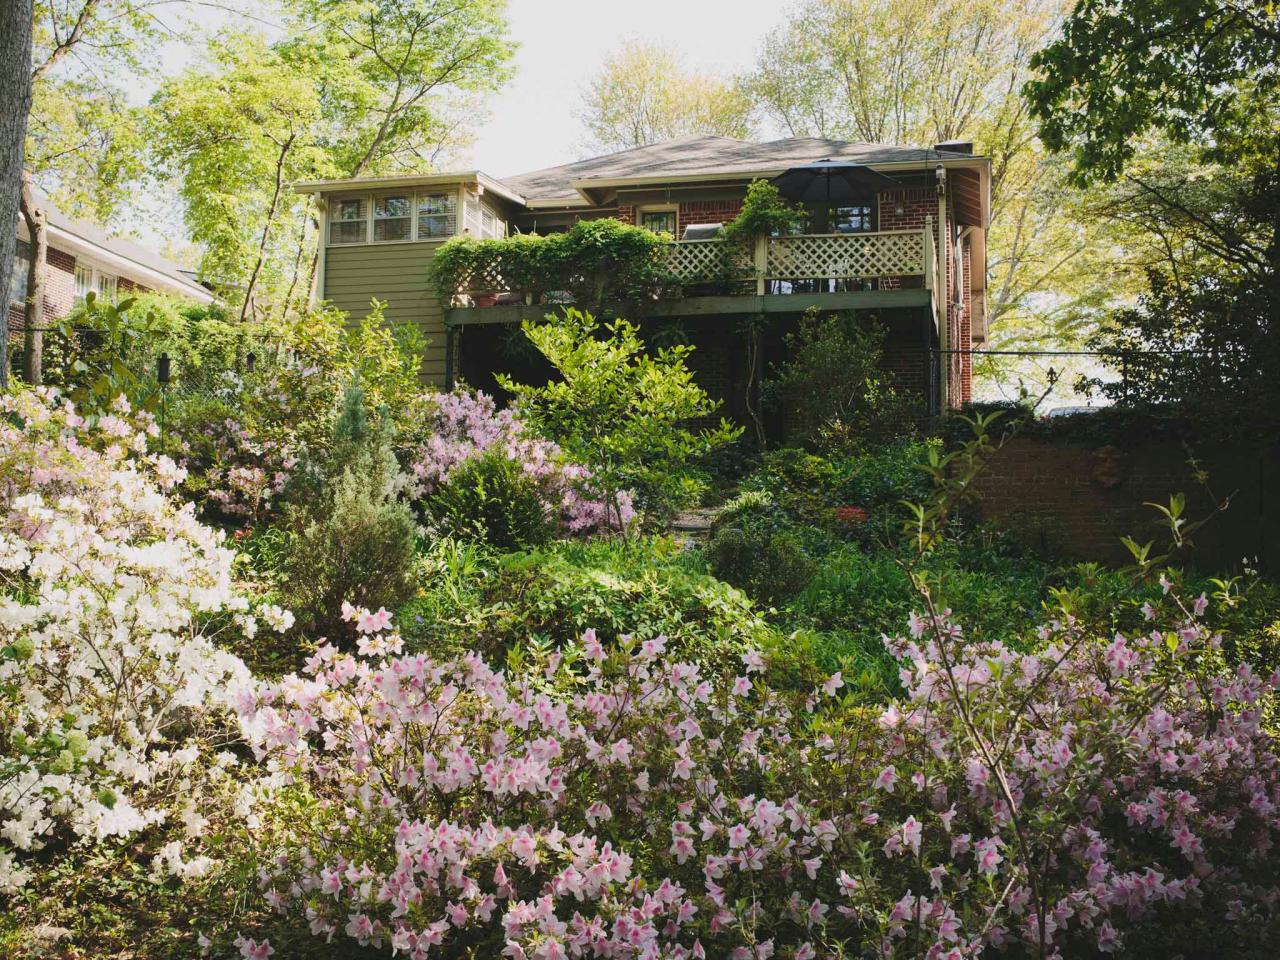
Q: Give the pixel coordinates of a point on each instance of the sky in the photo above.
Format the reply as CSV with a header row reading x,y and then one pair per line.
x,y
564,42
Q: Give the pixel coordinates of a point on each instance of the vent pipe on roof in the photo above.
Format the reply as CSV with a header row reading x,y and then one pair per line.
x,y
955,146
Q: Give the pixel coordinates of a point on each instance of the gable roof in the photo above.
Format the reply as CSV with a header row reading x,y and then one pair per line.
x,y
706,156
133,261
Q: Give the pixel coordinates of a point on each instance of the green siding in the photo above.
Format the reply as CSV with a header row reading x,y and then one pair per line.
x,y
395,273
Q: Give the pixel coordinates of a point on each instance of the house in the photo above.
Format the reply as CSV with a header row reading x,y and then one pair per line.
x,y
82,257
911,250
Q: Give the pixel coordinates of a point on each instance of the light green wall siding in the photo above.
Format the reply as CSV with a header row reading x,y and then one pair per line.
x,y
395,273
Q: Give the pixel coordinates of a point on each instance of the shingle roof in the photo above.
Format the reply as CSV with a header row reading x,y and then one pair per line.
x,y
692,156
128,249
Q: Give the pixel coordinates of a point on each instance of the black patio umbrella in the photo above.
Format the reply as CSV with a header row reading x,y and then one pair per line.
x,y
831,181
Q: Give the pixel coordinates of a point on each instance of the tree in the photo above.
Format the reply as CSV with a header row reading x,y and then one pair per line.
x,y
620,410
36,218
1172,112
643,94
15,101
351,89
918,72
1192,70
83,143
234,137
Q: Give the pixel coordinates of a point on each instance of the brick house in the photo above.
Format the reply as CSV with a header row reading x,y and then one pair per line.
x,y
82,257
911,253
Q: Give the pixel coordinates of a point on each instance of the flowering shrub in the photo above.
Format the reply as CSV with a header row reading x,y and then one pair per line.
x,y
112,594
463,426
1087,798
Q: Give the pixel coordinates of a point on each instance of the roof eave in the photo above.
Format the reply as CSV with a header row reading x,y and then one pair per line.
x,y
587,184
491,184
134,270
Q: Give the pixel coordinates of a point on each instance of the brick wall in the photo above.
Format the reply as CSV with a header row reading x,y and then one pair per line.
x,y
708,211
59,289
626,213
1076,500
918,204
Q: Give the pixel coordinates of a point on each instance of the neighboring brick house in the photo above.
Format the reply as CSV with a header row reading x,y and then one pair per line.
x,y
912,253
82,257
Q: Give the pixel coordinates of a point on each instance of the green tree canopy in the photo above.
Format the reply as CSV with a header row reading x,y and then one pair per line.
x,y
644,94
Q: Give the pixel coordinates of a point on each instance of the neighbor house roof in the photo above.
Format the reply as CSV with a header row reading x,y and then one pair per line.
x,y
131,260
706,157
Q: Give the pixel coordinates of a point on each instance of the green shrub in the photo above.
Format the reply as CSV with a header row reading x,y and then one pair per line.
x,y
493,500
833,385
594,261
621,411
643,587
770,565
764,213
352,537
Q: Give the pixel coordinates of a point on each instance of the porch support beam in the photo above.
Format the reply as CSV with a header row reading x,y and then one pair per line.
x,y
701,306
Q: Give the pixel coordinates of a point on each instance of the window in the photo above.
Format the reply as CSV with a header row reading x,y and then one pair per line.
x,y
84,281
90,279
659,221
392,218
347,222
21,263
851,220
436,216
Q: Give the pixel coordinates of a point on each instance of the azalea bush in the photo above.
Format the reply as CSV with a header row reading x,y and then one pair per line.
x,y
1097,795
116,611
461,429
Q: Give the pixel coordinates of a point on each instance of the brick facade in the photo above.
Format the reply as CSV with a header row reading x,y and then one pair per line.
x,y
1076,500
707,211
917,205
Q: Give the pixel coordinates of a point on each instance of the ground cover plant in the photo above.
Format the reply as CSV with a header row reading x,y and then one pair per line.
x,y
495,725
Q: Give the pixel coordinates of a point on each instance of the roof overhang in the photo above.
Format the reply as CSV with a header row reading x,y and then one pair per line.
x,y
466,177
592,191
125,266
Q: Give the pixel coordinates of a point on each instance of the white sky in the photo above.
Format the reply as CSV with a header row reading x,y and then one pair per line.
x,y
564,42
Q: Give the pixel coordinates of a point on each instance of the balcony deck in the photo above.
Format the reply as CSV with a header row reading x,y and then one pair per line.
x,y
788,274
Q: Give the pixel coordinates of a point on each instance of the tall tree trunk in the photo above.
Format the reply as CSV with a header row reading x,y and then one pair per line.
x,y
33,317
297,267
266,227
15,104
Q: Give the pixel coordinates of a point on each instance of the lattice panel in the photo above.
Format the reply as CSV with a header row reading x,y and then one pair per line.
x,y
846,256
698,261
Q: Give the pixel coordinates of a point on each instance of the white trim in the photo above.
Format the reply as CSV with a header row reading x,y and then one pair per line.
x,y
122,266
316,294
644,208
358,184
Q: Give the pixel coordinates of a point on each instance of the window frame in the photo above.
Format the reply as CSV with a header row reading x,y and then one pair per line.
x,y
660,208
96,276
366,219
21,274
450,213
408,194
869,217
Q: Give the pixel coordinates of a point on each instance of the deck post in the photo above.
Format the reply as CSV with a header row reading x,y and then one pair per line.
x,y
762,263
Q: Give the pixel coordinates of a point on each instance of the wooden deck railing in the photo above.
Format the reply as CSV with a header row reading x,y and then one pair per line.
x,y
826,256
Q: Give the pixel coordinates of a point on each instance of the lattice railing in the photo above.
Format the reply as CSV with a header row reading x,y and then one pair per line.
x,y
702,261
845,256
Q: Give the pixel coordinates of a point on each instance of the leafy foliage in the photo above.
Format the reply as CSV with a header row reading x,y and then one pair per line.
x,y
764,213
353,536
833,384
592,262
643,94
643,587
621,410
493,500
